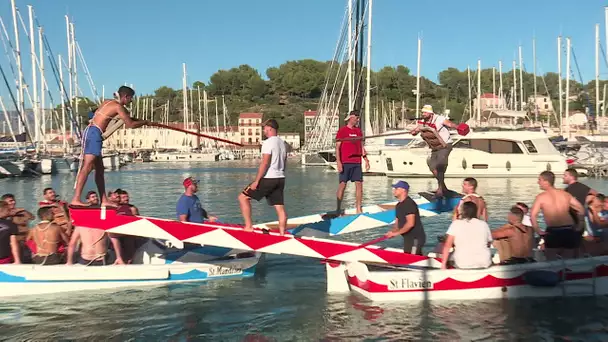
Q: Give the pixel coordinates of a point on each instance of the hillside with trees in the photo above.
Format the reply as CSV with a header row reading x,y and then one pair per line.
x,y
296,86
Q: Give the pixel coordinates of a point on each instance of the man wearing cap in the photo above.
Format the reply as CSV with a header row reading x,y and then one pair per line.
x,y
270,179
407,223
440,142
189,208
348,160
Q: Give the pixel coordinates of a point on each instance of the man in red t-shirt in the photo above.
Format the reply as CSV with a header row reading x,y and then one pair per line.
x,y
348,159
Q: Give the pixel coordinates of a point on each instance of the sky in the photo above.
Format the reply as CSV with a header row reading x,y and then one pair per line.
x,y
145,42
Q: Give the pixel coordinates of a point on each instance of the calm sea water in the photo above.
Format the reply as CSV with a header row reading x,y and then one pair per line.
x,y
286,300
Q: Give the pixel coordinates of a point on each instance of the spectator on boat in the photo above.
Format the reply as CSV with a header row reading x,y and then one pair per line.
x,y
469,189
472,238
407,223
563,234
348,160
189,208
123,201
46,238
597,227
9,246
524,207
18,216
579,190
113,197
514,240
92,198
270,179
60,210
93,247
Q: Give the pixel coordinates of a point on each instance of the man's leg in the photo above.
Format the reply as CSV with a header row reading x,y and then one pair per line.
x,y
88,163
245,204
101,182
343,179
357,177
441,167
282,216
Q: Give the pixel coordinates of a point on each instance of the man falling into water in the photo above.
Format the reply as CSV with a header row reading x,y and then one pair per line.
x,y
435,133
92,141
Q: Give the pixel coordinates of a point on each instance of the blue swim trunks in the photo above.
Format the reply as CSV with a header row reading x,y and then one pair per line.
x,y
93,142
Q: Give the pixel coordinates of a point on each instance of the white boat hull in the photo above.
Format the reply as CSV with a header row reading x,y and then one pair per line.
x,y
111,162
157,269
585,277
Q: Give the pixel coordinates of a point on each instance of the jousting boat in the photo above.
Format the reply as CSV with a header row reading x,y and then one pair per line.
x,y
154,264
424,280
373,216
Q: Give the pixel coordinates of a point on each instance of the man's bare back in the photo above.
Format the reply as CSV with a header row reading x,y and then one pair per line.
x,y
555,205
47,237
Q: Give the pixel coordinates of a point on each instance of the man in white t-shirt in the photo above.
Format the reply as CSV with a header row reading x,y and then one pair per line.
x,y
270,179
471,239
435,133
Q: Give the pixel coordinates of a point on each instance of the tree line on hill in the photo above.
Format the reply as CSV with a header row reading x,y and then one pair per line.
x,y
296,86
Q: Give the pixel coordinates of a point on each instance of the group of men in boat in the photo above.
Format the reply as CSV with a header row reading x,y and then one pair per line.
x,y
575,218
53,240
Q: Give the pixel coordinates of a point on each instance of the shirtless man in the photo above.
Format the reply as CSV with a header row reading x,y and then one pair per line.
x,y
47,236
60,210
469,189
93,247
123,200
514,239
93,141
562,235
18,216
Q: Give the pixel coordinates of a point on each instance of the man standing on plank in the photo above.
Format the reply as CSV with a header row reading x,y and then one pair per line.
x,y
435,133
348,160
270,179
92,142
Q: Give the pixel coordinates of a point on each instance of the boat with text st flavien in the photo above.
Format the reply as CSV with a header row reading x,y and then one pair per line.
x,y
373,216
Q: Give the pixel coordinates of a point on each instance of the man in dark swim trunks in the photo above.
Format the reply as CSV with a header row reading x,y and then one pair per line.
x,y
92,142
562,236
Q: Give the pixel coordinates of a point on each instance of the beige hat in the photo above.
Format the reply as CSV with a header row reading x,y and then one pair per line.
x,y
427,109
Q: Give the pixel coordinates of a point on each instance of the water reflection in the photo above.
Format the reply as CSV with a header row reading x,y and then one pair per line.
x,y
286,300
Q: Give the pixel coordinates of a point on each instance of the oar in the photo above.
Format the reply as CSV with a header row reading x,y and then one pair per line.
x,y
372,136
194,133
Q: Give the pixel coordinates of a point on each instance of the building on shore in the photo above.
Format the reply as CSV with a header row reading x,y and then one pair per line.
x,y
248,132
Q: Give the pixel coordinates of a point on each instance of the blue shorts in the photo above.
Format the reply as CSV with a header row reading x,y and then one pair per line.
x,y
92,141
351,172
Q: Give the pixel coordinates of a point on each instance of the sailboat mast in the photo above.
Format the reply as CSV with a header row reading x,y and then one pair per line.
x,y
367,118
418,80
521,80
597,69
500,91
535,88
63,98
559,81
43,86
479,92
494,87
567,88
350,55
34,76
514,86
470,98
20,99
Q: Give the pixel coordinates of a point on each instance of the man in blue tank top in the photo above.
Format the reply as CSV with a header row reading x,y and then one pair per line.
x,y
189,208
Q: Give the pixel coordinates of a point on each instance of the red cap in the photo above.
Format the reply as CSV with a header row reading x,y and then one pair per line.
x,y
189,181
463,129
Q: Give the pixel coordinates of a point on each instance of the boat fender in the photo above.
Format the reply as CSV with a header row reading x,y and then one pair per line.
x,y
541,278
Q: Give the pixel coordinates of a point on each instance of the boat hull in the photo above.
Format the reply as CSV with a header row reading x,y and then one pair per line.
x,y
583,277
155,266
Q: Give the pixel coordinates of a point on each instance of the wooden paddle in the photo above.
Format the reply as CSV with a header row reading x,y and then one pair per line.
x,y
194,133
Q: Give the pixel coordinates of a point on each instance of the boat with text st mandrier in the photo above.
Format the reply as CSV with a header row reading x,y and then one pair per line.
x,y
373,216
154,264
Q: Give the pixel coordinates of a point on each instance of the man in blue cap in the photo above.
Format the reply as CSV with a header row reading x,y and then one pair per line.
x,y
407,223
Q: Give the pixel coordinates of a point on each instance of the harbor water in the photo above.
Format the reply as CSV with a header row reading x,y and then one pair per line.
x,y
287,299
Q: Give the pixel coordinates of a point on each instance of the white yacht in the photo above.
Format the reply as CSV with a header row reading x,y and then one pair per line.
x,y
482,154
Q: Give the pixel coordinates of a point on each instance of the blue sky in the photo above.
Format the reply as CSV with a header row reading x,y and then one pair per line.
x,y
146,42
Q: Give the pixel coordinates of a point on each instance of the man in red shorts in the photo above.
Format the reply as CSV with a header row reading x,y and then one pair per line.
x,y
348,159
